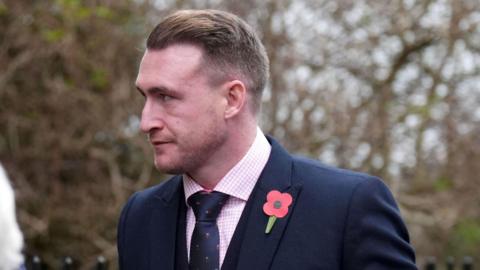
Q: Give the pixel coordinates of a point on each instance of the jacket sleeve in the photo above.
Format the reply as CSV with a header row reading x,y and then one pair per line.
x,y
375,236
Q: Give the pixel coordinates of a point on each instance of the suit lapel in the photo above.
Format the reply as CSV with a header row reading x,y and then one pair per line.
x,y
163,225
258,249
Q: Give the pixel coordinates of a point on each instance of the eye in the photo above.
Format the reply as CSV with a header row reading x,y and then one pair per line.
x,y
166,97
161,94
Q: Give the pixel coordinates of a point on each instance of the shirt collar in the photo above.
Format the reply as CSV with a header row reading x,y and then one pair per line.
x,y
241,179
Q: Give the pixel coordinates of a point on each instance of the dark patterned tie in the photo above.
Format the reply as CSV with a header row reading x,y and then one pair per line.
x,y
204,246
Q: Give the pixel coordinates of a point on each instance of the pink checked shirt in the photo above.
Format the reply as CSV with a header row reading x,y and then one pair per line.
x,y
238,183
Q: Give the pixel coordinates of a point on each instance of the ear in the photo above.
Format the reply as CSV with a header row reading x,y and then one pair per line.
x,y
236,94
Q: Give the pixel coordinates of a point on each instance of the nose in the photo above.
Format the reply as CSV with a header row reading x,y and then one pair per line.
x,y
151,118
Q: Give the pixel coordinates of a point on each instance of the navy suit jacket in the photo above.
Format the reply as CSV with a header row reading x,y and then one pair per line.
x,y
338,220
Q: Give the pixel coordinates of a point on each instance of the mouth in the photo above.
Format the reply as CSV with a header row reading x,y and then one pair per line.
x,y
158,143
159,146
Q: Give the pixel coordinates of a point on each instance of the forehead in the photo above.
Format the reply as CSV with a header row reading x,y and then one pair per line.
x,y
175,63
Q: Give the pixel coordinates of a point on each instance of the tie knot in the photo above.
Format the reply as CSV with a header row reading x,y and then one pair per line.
x,y
207,205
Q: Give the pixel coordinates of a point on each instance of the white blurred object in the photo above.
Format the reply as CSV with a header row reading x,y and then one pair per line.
x,y
11,239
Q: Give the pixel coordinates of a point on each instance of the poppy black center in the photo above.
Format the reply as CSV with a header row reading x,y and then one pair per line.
x,y
277,204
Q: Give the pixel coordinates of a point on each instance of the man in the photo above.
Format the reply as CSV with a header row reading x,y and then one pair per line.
x,y
202,76
11,239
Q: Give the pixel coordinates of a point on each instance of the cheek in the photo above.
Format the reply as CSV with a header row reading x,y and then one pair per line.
x,y
196,117
215,110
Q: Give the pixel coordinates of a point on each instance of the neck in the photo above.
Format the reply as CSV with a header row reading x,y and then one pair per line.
x,y
239,141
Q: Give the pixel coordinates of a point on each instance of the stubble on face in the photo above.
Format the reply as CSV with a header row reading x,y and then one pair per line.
x,y
195,154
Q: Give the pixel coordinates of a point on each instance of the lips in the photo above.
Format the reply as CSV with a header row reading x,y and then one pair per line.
x,y
157,140
160,146
157,143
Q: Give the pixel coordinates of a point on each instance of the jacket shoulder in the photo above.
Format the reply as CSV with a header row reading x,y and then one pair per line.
x,y
314,173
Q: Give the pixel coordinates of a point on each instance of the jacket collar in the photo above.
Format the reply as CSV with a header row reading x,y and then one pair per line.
x,y
163,224
258,249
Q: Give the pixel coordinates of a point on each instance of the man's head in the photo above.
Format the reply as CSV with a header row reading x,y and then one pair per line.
x,y
202,76
231,48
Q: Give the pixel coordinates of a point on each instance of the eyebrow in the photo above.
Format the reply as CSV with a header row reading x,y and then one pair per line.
x,y
155,90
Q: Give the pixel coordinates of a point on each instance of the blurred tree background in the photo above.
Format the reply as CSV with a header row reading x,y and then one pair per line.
x,y
386,87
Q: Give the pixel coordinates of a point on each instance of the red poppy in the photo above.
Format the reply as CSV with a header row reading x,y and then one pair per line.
x,y
277,204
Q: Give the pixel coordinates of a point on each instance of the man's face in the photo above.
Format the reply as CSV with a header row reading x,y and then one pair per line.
x,y
183,113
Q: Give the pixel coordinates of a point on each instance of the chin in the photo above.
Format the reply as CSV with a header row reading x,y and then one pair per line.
x,y
168,168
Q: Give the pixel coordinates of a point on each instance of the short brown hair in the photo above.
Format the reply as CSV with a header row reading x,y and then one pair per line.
x,y
231,47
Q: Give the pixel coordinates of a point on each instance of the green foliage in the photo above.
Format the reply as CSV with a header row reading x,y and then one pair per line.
x,y
70,3
104,12
53,35
465,238
443,184
83,13
99,78
73,10
78,11
468,232
3,9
